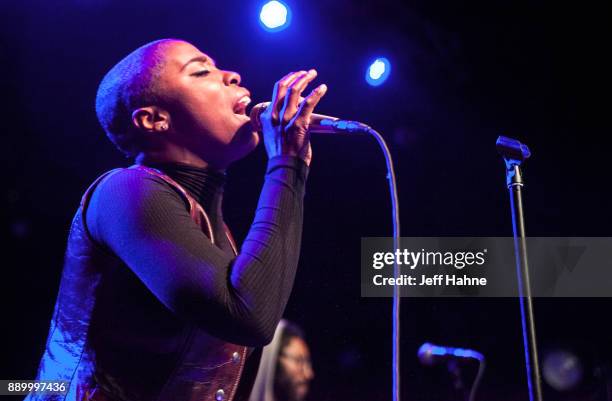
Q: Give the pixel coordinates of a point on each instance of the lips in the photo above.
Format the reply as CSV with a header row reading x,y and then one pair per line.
x,y
241,104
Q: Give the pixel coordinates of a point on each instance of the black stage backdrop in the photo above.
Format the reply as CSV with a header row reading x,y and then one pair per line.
x,y
463,73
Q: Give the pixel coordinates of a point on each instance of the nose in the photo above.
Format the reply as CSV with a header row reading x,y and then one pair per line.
x,y
231,78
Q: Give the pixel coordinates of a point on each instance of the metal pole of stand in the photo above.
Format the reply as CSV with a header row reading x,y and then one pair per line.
x,y
396,269
334,125
514,153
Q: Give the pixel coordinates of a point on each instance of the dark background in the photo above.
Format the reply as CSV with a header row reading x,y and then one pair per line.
x,y
462,74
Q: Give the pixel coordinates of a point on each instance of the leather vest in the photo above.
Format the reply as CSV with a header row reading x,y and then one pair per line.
x,y
111,339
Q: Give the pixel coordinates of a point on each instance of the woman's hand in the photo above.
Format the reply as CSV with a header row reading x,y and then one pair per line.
x,y
285,122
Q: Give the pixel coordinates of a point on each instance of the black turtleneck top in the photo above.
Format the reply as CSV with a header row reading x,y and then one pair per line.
x,y
145,223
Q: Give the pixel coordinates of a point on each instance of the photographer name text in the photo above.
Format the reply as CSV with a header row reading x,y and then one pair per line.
x,y
429,281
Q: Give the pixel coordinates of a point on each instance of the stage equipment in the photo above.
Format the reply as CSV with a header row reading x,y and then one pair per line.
x,y
319,123
514,154
275,16
562,370
378,71
430,354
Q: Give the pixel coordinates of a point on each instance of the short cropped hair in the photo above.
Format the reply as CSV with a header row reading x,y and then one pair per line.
x,y
132,83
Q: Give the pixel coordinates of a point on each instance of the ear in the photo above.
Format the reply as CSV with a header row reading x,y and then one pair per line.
x,y
151,119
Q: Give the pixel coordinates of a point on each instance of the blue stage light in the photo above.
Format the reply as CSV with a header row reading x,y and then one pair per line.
x,y
378,71
275,16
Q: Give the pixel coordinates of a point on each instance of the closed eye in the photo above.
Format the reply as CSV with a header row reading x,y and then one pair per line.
x,y
201,73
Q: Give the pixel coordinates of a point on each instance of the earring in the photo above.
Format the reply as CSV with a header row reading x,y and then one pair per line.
x,y
163,127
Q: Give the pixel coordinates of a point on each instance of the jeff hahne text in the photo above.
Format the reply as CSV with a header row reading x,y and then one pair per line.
x,y
418,261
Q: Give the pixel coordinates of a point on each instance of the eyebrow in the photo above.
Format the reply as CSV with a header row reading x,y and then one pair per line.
x,y
201,59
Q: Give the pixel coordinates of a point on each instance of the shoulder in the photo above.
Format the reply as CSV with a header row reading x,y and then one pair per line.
x,y
127,201
126,179
129,186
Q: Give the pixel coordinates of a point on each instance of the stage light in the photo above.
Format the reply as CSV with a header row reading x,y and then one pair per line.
x,y
378,71
275,16
562,370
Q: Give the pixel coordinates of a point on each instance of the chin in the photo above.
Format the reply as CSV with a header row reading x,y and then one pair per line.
x,y
300,394
244,143
254,140
247,139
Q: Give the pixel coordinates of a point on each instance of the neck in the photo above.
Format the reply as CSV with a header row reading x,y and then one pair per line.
x,y
173,154
204,184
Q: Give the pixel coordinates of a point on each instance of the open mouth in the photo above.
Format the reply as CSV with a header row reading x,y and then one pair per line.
x,y
241,105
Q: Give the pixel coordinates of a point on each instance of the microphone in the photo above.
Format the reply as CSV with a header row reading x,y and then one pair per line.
x,y
319,123
512,149
430,354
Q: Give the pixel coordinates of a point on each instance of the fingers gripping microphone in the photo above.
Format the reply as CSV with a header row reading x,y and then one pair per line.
x,y
430,354
319,123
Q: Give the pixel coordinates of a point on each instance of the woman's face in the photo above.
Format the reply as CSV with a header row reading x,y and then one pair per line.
x,y
207,105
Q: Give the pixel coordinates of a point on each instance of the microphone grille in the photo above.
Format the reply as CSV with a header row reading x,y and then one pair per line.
x,y
425,354
254,115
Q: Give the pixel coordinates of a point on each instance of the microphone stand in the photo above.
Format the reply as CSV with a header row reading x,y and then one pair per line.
x,y
329,125
352,126
514,153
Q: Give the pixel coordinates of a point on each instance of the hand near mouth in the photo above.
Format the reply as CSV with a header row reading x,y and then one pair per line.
x,y
285,122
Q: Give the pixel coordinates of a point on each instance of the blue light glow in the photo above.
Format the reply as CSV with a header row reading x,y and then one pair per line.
x,y
378,71
275,16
